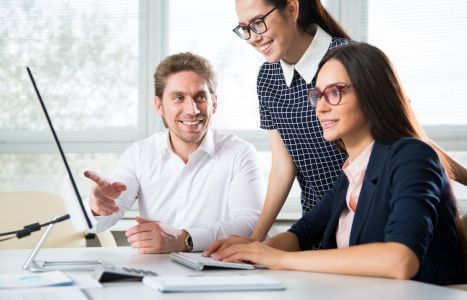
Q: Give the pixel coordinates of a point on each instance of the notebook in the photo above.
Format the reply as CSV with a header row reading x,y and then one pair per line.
x,y
198,262
180,284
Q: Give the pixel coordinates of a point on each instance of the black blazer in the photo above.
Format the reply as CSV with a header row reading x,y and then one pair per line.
x,y
405,198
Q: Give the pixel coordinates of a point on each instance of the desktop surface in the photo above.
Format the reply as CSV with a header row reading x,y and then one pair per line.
x,y
299,285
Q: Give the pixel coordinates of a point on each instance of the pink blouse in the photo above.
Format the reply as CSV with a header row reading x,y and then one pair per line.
x,y
355,172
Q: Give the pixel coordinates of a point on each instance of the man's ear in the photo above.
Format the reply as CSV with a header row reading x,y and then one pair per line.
x,y
214,103
158,105
160,109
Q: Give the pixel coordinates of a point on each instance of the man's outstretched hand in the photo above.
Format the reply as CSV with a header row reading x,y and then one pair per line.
x,y
103,194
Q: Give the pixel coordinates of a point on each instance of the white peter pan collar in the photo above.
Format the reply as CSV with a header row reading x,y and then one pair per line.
x,y
308,63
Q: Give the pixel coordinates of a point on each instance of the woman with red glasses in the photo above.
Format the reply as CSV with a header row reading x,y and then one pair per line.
x,y
293,37
391,213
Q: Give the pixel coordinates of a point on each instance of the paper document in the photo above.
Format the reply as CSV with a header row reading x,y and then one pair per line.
x,y
44,293
212,283
55,278
85,281
198,262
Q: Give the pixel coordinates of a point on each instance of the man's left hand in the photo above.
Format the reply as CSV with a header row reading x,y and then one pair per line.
x,y
150,236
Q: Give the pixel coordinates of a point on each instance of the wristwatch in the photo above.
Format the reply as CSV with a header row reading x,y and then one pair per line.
x,y
188,241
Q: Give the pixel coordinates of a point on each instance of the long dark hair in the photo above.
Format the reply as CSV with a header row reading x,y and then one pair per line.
x,y
312,12
380,94
385,104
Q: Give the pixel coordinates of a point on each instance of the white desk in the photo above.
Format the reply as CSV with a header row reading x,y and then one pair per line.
x,y
300,285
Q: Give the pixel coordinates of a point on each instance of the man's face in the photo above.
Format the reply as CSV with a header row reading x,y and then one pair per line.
x,y
187,107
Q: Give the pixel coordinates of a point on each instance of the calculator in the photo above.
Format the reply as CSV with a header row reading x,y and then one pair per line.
x,y
110,273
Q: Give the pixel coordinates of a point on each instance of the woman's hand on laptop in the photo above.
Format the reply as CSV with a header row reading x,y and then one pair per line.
x,y
220,245
103,194
255,253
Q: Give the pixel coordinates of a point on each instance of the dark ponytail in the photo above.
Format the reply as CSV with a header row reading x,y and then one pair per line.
x,y
313,12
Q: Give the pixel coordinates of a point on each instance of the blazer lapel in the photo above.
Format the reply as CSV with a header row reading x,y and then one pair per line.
x,y
329,236
373,170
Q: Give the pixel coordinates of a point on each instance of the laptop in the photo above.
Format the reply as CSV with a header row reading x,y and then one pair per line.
x,y
198,262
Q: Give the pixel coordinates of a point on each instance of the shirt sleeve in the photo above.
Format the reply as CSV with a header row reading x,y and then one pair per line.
x,y
245,200
125,172
264,97
417,180
310,228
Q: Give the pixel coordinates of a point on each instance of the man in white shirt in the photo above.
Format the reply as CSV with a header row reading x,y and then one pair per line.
x,y
193,184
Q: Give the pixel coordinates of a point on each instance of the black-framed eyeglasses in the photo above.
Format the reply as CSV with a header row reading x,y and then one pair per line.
x,y
332,93
257,25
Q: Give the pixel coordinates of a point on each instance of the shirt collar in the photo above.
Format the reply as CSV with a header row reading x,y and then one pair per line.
x,y
308,63
353,169
207,144
164,145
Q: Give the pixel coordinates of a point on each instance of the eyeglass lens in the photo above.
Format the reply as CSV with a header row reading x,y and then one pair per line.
x,y
257,25
332,95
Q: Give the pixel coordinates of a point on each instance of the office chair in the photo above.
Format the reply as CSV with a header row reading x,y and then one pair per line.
x,y
23,208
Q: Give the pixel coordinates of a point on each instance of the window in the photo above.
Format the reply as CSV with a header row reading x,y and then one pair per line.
x,y
79,52
432,64
91,63
94,62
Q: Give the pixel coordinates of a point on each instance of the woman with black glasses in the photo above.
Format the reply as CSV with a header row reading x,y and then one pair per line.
x,y
391,213
293,37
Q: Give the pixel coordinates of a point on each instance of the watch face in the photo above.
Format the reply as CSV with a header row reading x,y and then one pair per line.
x,y
189,242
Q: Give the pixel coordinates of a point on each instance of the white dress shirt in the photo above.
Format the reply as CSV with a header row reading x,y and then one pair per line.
x,y
217,193
308,63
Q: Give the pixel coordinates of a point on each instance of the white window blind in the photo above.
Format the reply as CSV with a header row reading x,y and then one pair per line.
x,y
84,55
426,40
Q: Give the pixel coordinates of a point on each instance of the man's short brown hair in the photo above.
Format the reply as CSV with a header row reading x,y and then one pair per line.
x,y
180,62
